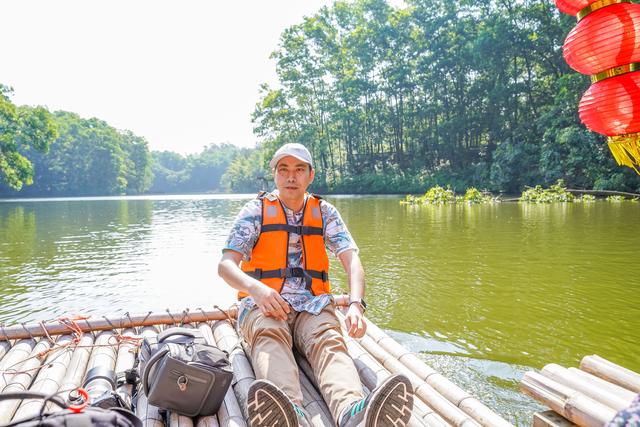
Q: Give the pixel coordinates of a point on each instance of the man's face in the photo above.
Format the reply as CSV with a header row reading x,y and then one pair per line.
x,y
292,177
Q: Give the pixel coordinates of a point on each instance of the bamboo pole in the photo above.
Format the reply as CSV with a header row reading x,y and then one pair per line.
x,y
314,404
49,378
425,394
177,420
230,413
599,383
23,331
569,403
208,421
550,418
13,359
22,379
611,372
4,348
108,323
103,356
372,373
126,358
422,390
127,321
567,378
76,367
148,414
207,333
227,339
459,397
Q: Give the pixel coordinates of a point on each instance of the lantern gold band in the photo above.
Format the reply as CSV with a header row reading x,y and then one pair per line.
x,y
626,150
615,71
598,5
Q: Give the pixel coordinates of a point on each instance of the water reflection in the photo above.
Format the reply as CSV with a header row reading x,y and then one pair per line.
x,y
104,254
485,291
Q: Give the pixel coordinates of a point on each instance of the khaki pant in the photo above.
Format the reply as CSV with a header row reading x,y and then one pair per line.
x,y
318,338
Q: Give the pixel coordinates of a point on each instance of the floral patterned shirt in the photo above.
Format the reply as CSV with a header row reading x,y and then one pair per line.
x,y
246,230
628,417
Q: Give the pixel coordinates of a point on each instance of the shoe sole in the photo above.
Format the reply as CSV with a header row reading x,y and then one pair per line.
x,y
268,406
392,404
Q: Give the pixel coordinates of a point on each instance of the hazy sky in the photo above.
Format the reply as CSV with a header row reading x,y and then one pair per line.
x,y
181,73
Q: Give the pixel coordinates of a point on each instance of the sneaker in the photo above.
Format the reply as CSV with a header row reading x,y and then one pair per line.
x,y
269,407
390,404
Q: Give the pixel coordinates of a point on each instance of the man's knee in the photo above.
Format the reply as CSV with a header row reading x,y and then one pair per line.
x,y
268,328
327,337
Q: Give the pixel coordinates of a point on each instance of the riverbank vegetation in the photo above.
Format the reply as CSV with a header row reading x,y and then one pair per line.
x,y
558,192
389,100
440,196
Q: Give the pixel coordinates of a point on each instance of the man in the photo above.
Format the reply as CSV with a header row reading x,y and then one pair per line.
x,y
275,257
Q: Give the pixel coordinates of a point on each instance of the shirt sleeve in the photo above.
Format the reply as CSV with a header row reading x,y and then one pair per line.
x,y
337,238
245,229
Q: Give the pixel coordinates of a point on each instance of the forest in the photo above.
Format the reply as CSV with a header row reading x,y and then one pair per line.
x,y
389,100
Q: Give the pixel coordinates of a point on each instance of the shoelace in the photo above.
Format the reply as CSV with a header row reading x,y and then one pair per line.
x,y
357,407
299,411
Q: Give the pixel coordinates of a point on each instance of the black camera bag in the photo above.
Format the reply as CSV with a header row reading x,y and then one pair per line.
x,y
181,372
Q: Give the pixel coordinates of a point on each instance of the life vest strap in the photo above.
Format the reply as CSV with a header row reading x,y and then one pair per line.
x,y
301,230
259,273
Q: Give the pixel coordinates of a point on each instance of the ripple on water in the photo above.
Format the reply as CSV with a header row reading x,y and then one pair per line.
x,y
493,383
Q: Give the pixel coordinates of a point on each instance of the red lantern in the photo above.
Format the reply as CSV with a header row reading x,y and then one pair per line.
x,y
605,39
612,106
572,7
606,44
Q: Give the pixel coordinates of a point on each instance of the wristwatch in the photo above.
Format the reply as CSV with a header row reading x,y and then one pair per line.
x,y
358,301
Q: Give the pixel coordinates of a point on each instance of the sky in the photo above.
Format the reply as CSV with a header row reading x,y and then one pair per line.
x,y
183,73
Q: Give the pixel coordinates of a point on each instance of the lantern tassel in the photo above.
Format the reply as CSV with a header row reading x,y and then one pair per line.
x,y
626,150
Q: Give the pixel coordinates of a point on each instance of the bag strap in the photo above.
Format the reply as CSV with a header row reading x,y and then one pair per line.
x,y
150,363
193,333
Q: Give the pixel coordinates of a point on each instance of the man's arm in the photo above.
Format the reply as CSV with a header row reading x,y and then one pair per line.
x,y
355,276
267,299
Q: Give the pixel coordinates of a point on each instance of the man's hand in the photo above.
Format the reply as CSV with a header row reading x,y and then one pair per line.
x,y
270,302
355,321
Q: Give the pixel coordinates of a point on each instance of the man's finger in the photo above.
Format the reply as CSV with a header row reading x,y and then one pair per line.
x,y
347,323
284,305
277,311
354,327
360,329
269,310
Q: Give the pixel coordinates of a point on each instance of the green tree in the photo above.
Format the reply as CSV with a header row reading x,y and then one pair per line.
x,y
22,130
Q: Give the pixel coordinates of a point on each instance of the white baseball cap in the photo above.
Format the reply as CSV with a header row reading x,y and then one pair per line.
x,y
294,149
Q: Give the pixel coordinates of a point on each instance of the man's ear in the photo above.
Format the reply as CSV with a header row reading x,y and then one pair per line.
x,y
313,175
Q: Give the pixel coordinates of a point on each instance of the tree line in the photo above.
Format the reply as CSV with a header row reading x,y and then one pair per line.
x,y
45,153
461,93
473,93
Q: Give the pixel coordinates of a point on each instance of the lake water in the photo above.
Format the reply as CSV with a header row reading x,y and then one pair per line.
x,y
483,293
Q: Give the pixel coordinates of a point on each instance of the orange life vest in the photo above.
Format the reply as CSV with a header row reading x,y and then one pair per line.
x,y
269,257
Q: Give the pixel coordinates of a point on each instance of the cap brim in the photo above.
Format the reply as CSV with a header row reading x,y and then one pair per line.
x,y
274,162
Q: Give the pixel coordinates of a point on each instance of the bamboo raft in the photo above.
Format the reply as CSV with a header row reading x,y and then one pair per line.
x,y
54,356
590,396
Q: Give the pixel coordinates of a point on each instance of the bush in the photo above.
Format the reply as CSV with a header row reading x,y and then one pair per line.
x,y
473,196
557,193
439,196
